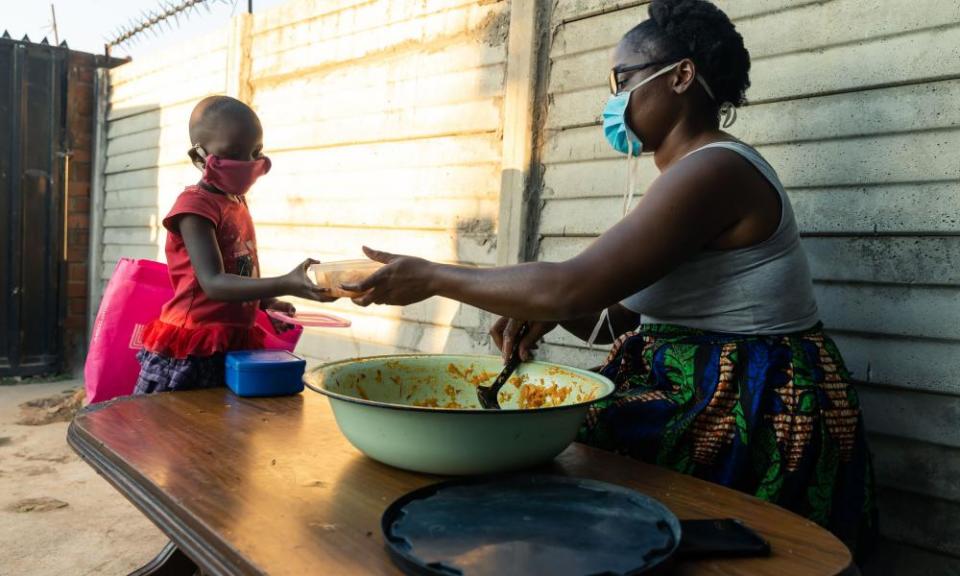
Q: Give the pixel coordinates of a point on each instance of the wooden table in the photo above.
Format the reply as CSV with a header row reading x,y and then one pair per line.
x,y
270,486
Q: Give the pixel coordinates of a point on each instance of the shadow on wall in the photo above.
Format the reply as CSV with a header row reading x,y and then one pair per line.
x,y
131,185
146,169
142,179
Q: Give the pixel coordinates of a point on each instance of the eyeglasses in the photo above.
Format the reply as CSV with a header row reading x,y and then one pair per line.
x,y
616,83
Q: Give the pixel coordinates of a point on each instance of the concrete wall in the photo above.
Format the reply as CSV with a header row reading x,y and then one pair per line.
x,y
857,105
385,121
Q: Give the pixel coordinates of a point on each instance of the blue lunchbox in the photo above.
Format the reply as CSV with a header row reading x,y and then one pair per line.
x,y
265,373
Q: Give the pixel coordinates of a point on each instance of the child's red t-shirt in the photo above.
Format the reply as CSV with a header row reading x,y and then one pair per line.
x,y
192,324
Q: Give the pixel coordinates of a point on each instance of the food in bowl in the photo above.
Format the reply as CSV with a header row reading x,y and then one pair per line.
x,y
332,275
409,383
421,412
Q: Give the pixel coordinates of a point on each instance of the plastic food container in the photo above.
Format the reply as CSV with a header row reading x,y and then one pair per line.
x,y
265,373
332,274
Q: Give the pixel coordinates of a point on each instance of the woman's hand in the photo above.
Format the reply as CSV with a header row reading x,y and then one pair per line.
x,y
404,280
297,283
504,333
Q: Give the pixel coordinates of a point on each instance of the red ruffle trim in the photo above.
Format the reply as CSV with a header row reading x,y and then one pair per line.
x,y
176,342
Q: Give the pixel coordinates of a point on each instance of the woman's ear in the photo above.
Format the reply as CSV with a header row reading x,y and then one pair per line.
x,y
684,76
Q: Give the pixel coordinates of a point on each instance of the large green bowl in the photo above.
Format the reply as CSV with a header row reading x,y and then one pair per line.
x,y
421,413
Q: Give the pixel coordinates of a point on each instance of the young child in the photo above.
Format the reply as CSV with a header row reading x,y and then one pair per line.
x,y
212,253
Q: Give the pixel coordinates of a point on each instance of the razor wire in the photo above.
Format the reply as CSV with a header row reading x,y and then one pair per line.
x,y
167,14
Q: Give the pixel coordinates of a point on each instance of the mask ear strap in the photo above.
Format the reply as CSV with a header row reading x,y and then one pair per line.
x,y
728,112
201,164
604,319
596,329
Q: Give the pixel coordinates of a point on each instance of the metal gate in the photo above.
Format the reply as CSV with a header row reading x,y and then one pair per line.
x,y
32,266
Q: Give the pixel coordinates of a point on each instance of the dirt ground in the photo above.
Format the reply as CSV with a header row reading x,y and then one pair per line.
x,y
57,516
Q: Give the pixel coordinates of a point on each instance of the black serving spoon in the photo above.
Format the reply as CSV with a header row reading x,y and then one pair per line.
x,y
488,394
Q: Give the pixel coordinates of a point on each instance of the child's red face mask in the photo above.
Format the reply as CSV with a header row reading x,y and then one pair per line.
x,y
231,176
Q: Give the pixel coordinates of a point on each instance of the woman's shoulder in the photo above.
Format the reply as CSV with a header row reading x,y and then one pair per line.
x,y
702,172
729,153
731,166
731,158
736,175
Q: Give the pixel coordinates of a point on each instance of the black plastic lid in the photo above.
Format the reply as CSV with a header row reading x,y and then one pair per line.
x,y
528,524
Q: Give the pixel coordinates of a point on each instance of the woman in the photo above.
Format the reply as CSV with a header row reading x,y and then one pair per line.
x,y
721,365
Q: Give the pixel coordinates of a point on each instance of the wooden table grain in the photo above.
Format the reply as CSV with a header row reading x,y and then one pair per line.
x,y
270,486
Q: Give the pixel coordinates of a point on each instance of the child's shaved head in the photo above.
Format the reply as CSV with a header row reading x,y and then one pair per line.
x,y
226,127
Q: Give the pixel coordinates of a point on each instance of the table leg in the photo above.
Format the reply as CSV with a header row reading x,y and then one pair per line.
x,y
169,562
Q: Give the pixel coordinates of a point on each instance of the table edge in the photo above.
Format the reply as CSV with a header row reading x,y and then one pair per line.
x,y
206,550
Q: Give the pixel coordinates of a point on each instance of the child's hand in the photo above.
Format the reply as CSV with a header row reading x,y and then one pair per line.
x,y
297,283
280,306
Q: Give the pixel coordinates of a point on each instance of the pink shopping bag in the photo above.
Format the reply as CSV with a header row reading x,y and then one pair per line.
x,y
133,298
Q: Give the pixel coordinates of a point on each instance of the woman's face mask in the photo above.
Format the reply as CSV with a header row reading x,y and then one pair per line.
x,y
234,177
616,128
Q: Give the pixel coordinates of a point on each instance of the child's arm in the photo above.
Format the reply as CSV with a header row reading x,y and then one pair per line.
x,y
200,238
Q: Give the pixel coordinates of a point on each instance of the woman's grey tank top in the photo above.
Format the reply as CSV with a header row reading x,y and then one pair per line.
x,y
761,289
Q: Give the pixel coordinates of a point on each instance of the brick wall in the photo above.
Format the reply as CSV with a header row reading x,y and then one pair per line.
x,y
79,123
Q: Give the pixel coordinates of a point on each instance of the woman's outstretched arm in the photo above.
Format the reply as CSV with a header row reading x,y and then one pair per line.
x,y
684,210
